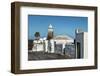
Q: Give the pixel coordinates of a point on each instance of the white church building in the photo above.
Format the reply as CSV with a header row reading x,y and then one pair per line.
x,y
62,44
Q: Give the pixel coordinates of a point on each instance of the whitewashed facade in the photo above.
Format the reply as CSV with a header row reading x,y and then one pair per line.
x,y
63,44
56,45
38,45
81,44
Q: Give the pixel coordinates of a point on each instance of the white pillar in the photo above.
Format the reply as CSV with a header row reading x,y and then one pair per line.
x,y
46,45
52,46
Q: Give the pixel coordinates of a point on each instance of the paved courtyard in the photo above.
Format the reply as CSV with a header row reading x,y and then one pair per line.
x,y
45,56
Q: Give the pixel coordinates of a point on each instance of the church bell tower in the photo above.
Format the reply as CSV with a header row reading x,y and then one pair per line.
x,y
50,32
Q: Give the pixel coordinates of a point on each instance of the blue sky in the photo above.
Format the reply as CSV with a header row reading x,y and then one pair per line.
x,y
61,24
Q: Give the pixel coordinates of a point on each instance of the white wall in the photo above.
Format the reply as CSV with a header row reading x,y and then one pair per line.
x,y
85,45
82,38
5,33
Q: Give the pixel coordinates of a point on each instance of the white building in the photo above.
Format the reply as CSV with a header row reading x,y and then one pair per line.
x,y
50,44
61,41
63,44
38,45
81,44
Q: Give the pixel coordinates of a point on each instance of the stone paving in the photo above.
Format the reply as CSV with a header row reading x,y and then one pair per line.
x,y
46,56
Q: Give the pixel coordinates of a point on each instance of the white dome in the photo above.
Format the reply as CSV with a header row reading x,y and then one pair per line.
x,y
63,37
50,26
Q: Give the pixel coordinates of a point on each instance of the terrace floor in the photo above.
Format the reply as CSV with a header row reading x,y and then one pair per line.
x,y
45,56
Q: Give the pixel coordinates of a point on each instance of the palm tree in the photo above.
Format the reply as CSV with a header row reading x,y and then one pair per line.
x,y
37,37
